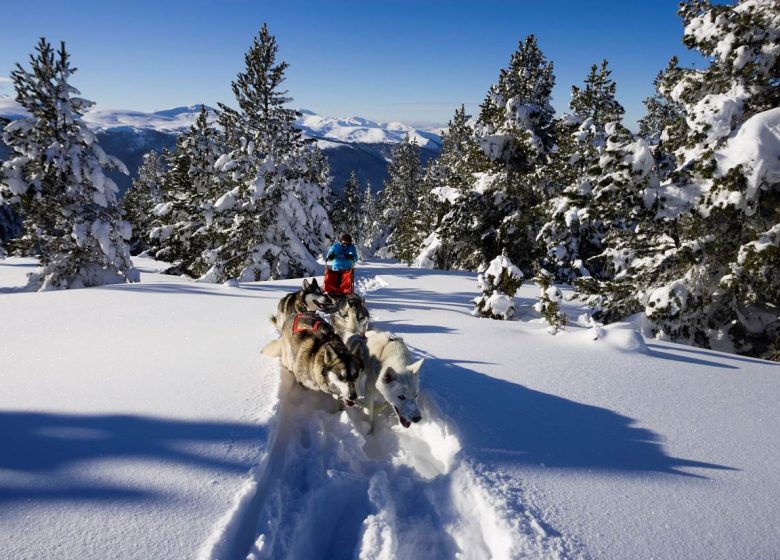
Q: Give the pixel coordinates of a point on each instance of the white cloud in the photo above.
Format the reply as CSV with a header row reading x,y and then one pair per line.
x,y
5,80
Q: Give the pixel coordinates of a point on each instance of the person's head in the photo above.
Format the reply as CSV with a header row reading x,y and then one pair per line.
x,y
346,238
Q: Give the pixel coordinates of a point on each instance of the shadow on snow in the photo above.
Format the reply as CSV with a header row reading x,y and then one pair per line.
x,y
51,447
498,418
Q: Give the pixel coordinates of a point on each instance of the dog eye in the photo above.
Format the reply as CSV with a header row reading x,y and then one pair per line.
x,y
401,398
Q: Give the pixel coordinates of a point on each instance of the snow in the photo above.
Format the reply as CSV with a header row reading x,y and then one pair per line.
x,y
756,147
329,131
140,421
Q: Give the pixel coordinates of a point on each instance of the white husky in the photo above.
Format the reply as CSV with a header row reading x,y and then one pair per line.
x,y
391,377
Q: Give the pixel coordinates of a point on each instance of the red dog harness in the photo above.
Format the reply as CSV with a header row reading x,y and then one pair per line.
x,y
296,328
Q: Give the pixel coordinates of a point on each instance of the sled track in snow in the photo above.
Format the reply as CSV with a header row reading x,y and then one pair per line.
x,y
326,490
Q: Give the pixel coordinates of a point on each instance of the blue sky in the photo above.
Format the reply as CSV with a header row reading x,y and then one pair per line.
x,y
412,61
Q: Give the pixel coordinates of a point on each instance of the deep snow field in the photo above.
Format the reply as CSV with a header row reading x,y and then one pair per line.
x,y
141,421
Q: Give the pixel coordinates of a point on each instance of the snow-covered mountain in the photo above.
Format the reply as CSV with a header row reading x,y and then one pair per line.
x,y
141,421
351,143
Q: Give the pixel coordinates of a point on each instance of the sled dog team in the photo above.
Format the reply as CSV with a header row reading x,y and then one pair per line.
x,y
342,357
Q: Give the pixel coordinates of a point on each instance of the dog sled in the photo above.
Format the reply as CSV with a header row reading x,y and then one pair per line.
x,y
339,283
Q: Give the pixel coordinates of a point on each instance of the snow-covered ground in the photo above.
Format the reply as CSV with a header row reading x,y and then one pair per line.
x,y
140,421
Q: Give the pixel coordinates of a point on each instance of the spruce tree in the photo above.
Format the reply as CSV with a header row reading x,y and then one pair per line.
x,y
449,240
573,233
400,198
515,130
141,198
498,284
56,177
346,213
710,276
276,187
183,229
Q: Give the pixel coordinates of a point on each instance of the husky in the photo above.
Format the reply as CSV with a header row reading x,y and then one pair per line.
x,y
309,298
391,377
350,316
317,357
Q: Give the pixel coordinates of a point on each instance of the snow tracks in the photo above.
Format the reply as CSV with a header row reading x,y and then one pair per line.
x,y
326,490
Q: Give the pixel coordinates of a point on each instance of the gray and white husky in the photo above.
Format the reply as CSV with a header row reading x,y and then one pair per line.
x,y
391,377
309,297
317,357
349,316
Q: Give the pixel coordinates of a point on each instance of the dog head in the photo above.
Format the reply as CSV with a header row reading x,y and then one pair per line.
x,y
313,296
342,369
401,389
351,315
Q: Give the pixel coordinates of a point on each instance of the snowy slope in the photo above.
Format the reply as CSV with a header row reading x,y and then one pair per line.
x,y
141,422
348,130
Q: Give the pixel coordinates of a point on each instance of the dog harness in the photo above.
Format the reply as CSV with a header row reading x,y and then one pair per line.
x,y
296,328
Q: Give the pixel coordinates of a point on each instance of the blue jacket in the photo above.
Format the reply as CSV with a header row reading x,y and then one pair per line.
x,y
344,256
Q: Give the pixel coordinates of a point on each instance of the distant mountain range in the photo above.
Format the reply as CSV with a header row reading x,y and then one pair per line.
x,y
352,143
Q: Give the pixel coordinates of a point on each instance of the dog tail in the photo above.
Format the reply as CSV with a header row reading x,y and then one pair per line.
x,y
273,349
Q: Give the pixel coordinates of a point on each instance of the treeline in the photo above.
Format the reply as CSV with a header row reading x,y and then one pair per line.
x,y
679,222
241,198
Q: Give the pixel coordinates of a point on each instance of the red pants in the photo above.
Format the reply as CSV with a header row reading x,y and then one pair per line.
x,y
339,281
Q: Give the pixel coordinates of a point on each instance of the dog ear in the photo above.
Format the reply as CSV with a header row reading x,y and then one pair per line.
x,y
331,356
305,284
415,367
388,376
314,283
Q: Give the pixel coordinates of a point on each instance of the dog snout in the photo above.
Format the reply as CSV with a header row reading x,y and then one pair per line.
x,y
352,393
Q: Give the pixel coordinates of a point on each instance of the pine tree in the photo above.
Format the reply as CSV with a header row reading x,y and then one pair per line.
x,y
515,131
182,229
548,305
346,212
56,177
574,231
371,229
664,124
275,193
400,198
449,240
710,276
498,284
141,198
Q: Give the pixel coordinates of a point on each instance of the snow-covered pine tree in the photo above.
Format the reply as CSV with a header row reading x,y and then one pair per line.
x,y
56,176
182,228
274,201
712,277
345,215
142,197
498,284
663,124
400,198
453,239
549,303
515,131
573,232
371,228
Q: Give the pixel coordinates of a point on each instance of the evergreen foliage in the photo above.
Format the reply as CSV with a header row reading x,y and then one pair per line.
x,y
498,284
346,210
709,275
548,305
270,220
56,177
141,199
400,200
